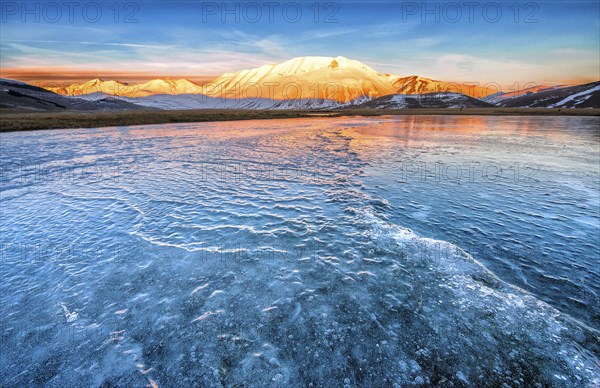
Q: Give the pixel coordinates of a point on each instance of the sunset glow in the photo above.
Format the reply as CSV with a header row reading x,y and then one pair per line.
x,y
139,41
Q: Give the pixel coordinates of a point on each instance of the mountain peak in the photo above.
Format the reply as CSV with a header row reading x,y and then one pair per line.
x,y
311,77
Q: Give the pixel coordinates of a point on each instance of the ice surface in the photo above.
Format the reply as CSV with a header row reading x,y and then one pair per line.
x,y
252,253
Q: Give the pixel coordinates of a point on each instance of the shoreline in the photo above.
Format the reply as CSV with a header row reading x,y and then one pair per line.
x,y
12,121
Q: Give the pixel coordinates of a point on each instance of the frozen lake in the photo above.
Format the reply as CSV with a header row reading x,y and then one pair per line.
x,y
388,251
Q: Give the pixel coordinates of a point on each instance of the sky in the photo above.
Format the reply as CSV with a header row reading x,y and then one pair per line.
x,y
505,41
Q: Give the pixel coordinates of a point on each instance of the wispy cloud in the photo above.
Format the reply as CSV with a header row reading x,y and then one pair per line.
x,y
324,34
91,43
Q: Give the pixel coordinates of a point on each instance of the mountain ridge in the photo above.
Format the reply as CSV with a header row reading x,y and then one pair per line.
x,y
320,82
576,96
318,77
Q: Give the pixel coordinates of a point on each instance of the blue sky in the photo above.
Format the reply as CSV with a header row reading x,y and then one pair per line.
x,y
502,42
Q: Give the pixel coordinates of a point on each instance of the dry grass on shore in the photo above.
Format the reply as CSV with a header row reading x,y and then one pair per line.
x,y
25,121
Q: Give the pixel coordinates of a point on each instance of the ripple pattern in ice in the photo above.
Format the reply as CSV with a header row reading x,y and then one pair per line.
x,y
250,254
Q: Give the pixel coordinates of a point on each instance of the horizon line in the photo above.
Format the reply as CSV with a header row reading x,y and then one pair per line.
x,y
64,76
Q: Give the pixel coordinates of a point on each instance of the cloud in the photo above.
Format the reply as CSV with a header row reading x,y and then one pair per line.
x,y
460,67
170,61
323,34
91,43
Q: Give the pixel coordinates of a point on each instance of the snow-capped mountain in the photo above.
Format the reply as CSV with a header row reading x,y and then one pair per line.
x,y
114,88
168,86
133,90
304,78
419,85
327,78
579,96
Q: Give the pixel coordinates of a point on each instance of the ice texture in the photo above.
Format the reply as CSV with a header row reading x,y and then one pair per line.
x,y
250,253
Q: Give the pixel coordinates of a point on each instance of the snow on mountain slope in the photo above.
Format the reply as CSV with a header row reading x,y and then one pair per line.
x,y
327,78
427,100
579,96
168,86
97,85
501,96
200,101
393,101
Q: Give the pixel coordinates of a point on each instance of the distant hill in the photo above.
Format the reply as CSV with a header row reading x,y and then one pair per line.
x,y
427,100
579,96
16,95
